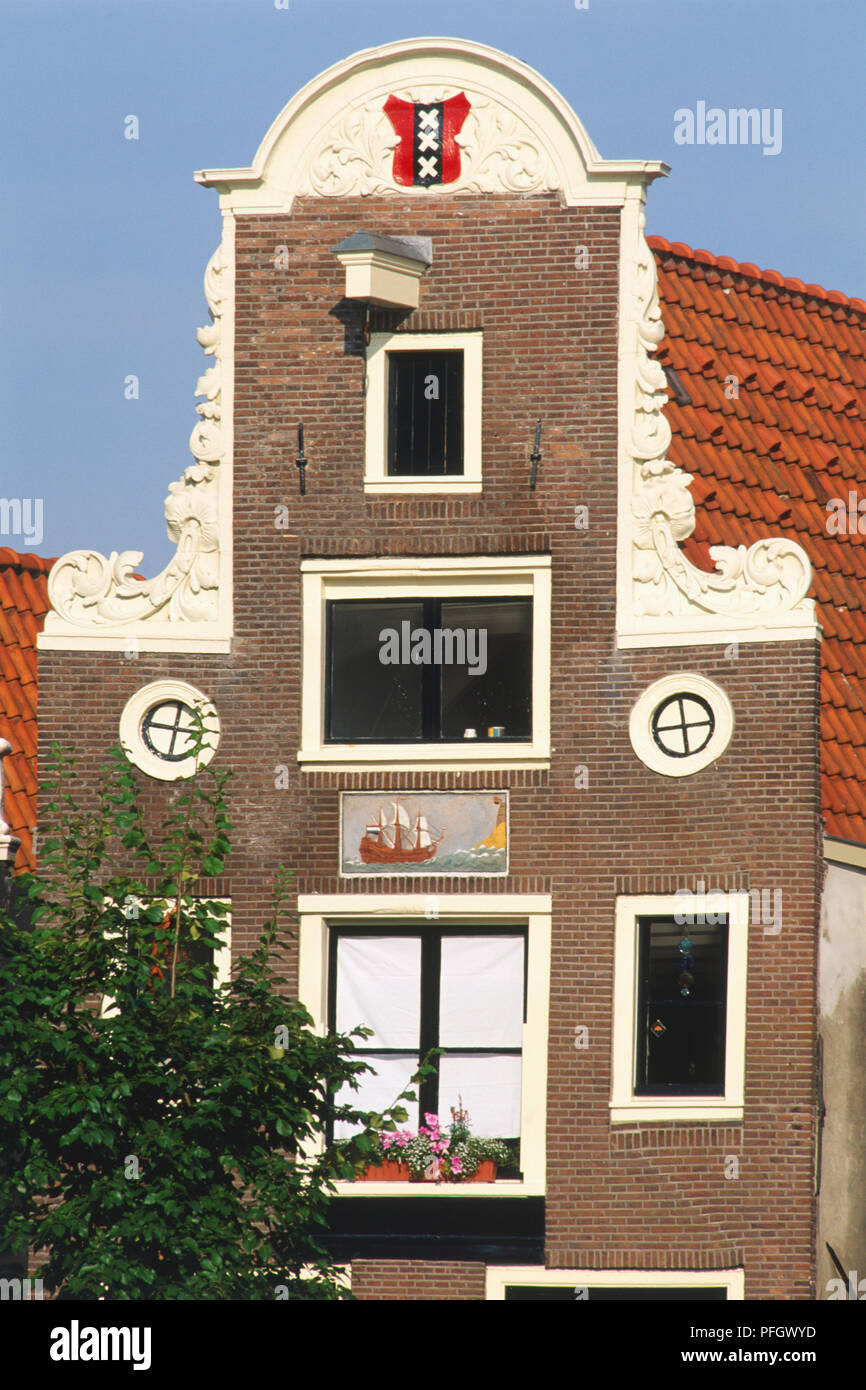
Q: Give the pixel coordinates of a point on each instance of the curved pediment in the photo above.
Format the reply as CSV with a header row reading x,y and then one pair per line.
x,y
422,118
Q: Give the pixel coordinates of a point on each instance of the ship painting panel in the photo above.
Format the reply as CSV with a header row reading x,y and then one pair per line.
x,y
423,832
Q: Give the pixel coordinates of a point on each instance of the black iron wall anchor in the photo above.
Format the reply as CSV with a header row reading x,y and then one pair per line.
x,y
535,456
301,461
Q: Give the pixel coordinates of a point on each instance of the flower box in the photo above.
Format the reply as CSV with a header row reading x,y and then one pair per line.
x,y
431,1155
485,1172
387,1171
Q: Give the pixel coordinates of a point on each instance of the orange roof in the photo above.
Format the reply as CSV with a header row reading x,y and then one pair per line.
x,y
23,605
767,461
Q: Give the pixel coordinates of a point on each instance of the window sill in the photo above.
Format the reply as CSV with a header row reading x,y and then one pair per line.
x,y
421,487
398,757
707,1108
502,1187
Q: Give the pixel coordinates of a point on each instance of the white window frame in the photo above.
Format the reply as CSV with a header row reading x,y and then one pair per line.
x,y
533,910
640,724
222,957
498,1276
376,477
132,738
485,576
625,1106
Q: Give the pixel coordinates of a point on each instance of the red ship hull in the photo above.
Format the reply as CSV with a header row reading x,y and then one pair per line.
x,y
372,853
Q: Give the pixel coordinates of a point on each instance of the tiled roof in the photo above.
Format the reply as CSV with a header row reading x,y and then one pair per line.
x,y
23,605
765,462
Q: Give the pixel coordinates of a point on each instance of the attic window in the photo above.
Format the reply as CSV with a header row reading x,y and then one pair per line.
x,y
157,729
681,724
425,413
167,730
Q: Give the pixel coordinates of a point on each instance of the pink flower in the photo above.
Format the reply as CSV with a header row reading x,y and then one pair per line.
x,y
432,1120
386,1140
456,1165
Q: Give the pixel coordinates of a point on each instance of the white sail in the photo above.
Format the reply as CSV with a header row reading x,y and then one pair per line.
x,y
425,839
385,832
400,817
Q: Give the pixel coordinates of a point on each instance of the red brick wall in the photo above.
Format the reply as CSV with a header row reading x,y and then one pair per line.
x,y
416,1280
751,819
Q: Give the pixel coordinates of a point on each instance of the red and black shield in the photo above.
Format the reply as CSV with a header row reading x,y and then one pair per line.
x,y
428,152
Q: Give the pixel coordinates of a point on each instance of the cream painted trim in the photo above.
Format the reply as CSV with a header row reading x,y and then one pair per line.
x,y
683,634
842,852
339,113
132,740
498,1276
625,1106
640,724
133,643
422,487
316,911
222,957
418,565
376,478
447,576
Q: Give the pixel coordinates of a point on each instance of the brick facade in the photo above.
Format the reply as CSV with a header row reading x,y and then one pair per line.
x,y
417,1280
643,1196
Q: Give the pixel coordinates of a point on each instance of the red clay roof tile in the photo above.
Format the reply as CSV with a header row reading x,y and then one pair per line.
x,y
798,427
23,605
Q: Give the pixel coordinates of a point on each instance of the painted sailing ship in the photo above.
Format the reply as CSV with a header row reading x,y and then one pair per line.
x,y
397,841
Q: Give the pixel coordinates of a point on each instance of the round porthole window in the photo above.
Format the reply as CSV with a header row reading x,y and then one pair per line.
x,y
681,724
158,729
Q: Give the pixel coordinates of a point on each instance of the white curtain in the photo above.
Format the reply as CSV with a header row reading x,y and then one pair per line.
x,y
379,985
377,1091
481,1000
490,1091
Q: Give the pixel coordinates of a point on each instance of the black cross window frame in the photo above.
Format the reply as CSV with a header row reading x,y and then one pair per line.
x,y
646,1005
684,724
431,980
148,723
431,675
452,373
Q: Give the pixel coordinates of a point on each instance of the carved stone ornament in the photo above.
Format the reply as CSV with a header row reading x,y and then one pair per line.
x,y
86,588
770,577
499,153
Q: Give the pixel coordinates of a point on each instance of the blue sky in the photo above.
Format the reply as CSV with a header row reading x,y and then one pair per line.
x,y
103,240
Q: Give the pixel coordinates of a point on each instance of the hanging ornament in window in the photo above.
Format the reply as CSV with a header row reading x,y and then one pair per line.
x,y
685,979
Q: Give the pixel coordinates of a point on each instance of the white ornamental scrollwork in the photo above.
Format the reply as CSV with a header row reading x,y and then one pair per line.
x,y
88,588
499,153
354,157
770,577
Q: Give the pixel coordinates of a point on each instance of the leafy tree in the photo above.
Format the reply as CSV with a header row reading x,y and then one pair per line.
x,y
160,1127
